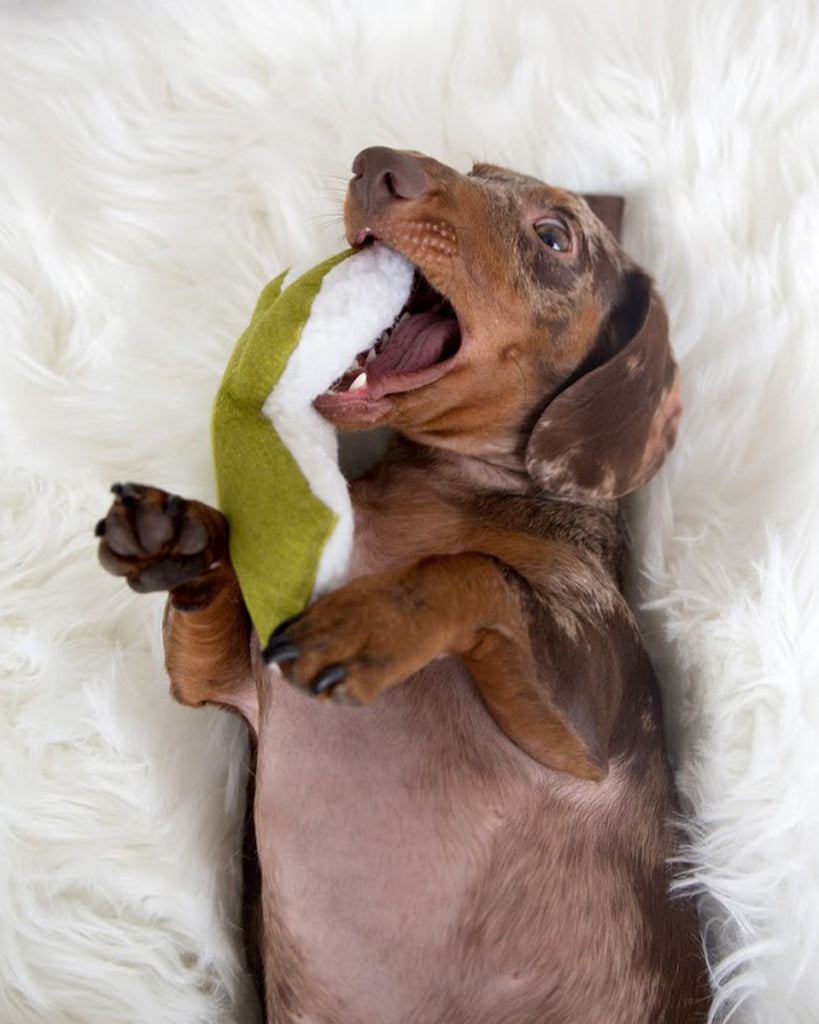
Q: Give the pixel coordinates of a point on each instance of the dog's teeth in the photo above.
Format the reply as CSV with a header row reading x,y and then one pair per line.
x,y
371,355
359,382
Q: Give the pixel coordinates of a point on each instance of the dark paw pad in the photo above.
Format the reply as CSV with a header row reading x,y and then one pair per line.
x,y
158,540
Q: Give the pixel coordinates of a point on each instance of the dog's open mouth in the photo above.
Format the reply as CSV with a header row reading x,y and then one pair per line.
x,y
417,349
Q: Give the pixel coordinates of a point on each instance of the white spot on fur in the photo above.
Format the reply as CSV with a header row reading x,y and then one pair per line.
x,y
634,364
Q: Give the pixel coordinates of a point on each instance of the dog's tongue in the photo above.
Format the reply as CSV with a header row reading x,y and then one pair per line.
x,y
416,343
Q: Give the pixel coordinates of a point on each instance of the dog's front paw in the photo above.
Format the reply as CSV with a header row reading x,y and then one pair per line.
x,y
356,642
159,541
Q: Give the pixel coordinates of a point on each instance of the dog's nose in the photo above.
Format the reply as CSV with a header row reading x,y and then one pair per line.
x,y
383,175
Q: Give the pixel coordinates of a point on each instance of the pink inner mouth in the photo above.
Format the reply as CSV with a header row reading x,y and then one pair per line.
x,y
418,341
417,349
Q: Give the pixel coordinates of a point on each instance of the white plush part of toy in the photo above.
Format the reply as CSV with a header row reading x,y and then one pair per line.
x,y
358,299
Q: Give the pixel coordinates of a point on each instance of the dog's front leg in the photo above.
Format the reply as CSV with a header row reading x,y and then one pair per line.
x,y
378,630
159,541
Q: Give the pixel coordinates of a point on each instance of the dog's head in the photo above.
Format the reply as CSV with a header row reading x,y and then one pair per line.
x,y
529,335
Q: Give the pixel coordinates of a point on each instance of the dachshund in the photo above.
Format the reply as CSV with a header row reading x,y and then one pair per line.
x,y
463,809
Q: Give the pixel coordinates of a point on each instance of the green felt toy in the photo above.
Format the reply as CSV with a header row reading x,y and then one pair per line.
x,y
276,459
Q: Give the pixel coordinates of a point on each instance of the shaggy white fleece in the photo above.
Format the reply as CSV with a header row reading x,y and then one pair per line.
x,y
162,160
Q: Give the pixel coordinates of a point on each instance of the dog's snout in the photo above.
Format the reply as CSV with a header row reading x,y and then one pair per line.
x,y
383,175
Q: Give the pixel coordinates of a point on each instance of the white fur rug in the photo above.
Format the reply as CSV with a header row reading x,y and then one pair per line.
x,y
160,161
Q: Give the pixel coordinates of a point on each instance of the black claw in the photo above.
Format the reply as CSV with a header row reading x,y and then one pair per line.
x,y
280,649
329,677
282,626
174,504
99,529
127,492
132,492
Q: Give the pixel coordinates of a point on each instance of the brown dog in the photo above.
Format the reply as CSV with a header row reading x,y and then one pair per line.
x,y
487,840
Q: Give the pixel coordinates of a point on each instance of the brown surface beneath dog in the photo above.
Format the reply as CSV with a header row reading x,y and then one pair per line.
x,y
486,840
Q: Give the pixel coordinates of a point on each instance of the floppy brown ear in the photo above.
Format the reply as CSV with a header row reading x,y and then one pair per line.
x,y
608,209
609,431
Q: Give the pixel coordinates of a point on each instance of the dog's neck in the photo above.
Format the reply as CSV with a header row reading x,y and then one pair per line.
x,y
480,473
501,470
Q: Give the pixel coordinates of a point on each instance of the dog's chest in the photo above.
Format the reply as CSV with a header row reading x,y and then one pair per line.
x,y
405,848
375,825
374,830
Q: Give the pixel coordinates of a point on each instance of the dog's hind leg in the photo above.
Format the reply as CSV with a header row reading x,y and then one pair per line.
x,y
159,541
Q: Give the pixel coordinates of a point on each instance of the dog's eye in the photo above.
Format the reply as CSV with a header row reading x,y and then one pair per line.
x,y
554,233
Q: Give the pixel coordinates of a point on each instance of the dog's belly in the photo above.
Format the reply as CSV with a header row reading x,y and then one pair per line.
x,y
410,862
